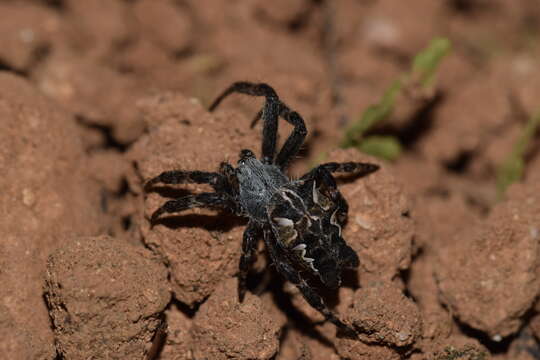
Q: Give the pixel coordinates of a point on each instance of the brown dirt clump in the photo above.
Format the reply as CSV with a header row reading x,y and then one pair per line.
x,y
467,352
105,298
167,25
224,329
489,276
18,342
97,94
357,350
201,247
96,28
382,314
46,194
26,30
177,342
300,345
452,136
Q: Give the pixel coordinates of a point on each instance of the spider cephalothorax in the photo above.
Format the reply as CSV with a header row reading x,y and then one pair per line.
x,y
299,220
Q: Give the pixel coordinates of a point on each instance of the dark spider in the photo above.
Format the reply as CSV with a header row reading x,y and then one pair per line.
x,y
299,220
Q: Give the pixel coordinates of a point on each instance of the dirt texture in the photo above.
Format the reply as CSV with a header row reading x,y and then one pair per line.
x,y
382,313
96,97
105,298
225,329
504,252
46,194
199,257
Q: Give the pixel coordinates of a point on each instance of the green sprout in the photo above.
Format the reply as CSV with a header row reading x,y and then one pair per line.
x,y
423,70
512,169
426,62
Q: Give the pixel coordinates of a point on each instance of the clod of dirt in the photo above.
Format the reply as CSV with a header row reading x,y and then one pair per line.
x,y
96,94
534,323
280,11
25,31
225,329
98,27
379,227
106,298
382,314
394,27
178,338
164,23
109,169
454,347
46,194
352,349
437,322
524,347
489,275
300,345
201,246
18,343
467,352
437,218
462,126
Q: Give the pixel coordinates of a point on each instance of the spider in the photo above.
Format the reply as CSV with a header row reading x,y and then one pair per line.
x,y
299,220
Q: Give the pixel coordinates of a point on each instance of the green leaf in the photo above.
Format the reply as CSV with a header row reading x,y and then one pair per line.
x,y
423,68
385,147
426,62
373,115
512,169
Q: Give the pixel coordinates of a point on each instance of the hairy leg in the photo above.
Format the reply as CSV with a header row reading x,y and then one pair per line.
x,y
294,141
249,243
228,183
360,169
273,108
270,112
184,177
206,200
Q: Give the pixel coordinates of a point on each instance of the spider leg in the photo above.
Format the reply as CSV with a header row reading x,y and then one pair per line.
x,y
206,200
229,183
249,243
185,177
273,108
227,170
269,113
361,169
295,140
256,119
315,300
321,176
323,171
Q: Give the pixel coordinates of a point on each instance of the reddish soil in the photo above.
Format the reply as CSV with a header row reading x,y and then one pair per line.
x,y
98,96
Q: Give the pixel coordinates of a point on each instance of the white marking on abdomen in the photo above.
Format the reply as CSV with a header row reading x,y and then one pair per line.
x,y
302,249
